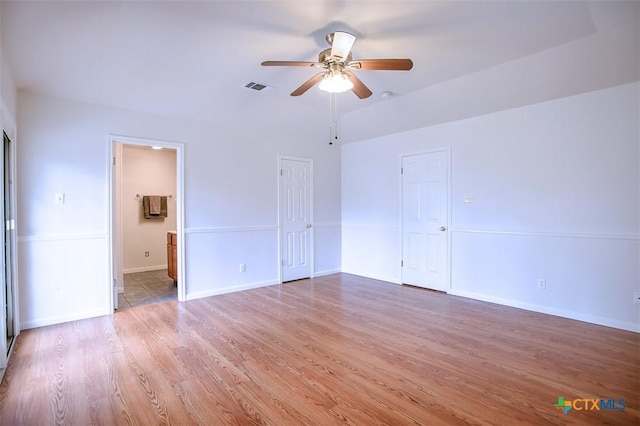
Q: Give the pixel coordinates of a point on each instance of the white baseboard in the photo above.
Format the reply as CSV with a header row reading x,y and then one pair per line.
x,y
392,280
42,322
607,322
326,272
230,289
144,269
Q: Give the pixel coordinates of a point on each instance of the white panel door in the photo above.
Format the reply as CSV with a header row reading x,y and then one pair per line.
x,y
295,219
425,214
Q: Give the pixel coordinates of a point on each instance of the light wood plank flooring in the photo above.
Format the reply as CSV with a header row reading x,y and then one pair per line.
x,y
339,349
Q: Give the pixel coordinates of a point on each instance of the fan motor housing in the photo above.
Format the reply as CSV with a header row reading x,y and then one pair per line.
x,y
325,57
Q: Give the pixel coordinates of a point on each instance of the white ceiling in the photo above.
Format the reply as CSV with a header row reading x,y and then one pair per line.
x,y
192,59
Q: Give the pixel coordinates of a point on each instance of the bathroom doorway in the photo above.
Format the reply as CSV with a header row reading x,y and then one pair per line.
x,y
146,245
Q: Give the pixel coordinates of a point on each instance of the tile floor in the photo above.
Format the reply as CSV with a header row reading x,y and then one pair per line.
x,y
147,288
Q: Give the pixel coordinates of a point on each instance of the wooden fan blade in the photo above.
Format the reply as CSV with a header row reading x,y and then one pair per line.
x,y
289,64
308,84
382,64
359,87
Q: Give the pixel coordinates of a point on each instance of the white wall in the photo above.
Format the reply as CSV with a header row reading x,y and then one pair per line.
x,y
231,181
8,96
556,195
146,172
8,92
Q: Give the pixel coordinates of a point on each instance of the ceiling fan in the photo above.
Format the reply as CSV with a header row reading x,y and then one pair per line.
x,y
339,65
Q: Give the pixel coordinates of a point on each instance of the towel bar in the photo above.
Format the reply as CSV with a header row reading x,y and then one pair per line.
x,y
140,196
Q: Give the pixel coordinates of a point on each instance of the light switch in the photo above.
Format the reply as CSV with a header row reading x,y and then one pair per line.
x,y
59,198
468,199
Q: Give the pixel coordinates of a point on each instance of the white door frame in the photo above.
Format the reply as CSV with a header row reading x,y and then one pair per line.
x,y
312,232
8,125
115,251
447,150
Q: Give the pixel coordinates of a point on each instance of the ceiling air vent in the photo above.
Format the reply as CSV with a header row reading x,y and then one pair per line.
x,y
257,86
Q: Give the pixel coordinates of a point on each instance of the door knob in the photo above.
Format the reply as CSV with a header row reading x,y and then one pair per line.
x,y
443,228
308,225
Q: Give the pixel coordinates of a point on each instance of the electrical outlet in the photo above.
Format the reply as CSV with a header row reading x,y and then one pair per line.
x,y
146,254
636,297
542,283
242,267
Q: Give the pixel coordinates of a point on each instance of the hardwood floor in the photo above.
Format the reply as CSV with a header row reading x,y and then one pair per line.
x,y
339,349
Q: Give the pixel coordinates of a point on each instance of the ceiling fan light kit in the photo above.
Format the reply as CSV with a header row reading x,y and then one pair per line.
x,y
335,82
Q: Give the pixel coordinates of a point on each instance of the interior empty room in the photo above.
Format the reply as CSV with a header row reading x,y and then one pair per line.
x,y
320,212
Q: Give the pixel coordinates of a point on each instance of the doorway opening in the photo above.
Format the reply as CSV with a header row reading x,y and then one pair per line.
x,y
8,297
146,233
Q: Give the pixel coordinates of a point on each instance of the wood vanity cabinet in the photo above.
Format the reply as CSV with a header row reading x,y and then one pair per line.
x,y
172,256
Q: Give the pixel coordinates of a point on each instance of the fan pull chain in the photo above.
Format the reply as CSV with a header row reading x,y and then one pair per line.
x,y
335,110
330,119
333,118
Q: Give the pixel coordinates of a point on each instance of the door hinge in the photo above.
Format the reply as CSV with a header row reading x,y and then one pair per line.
x,y
401,170
114,161
281,172
115,282
402,263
